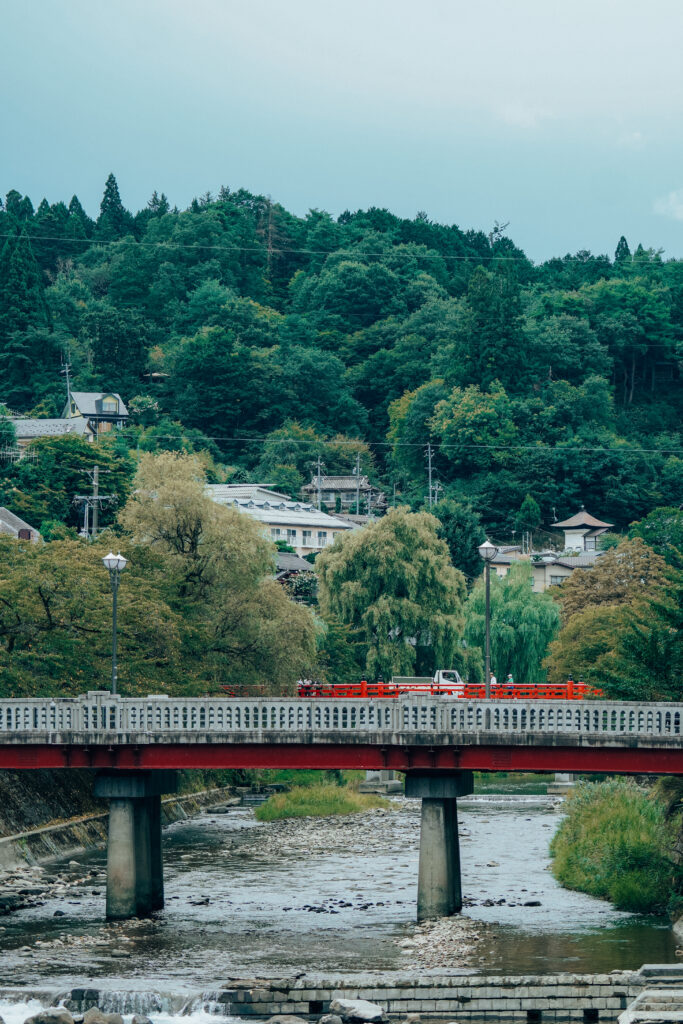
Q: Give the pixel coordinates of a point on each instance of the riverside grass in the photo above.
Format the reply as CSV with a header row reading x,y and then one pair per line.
x,y
317,802
616,843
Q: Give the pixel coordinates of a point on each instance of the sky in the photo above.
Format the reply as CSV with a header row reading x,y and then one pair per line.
x,y
562,118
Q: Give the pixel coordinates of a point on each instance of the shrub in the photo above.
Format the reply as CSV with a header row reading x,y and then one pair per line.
x,y
317,801
615,843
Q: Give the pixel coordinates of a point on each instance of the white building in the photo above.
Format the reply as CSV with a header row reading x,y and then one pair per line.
x,y
298,523
546,568
582,531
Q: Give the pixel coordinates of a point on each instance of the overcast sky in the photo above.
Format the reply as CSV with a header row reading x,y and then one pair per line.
x,y
563,118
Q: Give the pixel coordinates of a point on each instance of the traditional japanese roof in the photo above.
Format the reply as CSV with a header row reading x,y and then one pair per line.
x,y
89,403
9,523
338,483
286,561
26,429
582,518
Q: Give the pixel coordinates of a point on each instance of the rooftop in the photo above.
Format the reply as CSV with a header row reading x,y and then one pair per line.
x,y
8,519
30,427
89,403
287,561
582,518
338,483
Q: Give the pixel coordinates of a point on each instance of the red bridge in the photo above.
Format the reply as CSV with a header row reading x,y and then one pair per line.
x,y
436,740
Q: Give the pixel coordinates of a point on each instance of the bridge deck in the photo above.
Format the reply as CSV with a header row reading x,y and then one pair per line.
x,y
98,730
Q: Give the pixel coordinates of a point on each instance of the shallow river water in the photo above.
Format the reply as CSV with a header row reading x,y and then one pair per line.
x,y
334,895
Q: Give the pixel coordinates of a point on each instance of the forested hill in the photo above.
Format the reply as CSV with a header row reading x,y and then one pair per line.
x,y
267,339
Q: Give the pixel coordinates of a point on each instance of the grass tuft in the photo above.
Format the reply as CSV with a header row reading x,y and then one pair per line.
x,y
317,801
616,843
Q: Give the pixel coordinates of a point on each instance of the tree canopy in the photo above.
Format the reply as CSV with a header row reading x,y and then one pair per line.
x,y
394,583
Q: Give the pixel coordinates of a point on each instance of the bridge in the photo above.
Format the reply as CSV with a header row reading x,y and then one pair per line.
x,y
135,744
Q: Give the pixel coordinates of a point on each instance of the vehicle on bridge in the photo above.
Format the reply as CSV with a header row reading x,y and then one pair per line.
x,y
447,683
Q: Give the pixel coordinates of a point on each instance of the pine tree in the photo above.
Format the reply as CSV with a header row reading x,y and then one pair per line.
x,y
114,220
622,253
79,223
22,297
22,310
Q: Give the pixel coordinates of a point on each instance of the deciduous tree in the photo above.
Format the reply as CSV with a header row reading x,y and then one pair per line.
x,y
394,582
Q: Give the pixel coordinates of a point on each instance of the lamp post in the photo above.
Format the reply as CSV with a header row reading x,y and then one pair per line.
x,y
488,552
116,564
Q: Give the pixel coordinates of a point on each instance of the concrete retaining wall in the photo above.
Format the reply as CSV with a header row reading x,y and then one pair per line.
x,y
50,842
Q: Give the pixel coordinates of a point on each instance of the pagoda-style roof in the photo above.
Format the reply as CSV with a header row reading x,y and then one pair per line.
x,y
582,518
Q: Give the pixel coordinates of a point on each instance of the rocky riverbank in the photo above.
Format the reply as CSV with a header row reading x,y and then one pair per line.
x,y
25,882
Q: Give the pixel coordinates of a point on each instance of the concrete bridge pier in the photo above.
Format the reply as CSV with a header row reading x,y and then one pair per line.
x,y
439,889
135,874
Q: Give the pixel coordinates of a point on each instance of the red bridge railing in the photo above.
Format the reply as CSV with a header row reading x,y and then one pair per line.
x,y
472,691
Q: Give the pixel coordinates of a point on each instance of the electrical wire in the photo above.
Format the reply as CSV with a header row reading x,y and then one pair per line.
x,y
271,250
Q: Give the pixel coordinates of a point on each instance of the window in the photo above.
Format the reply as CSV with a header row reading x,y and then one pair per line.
x,y
328,496
589,543
322,538
306,538
275,533
24,534
110,405
291,535
556,580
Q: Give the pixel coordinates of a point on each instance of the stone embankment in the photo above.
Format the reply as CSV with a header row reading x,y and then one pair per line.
x,y
25,881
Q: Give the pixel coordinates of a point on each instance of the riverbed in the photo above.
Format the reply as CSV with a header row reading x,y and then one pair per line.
x,y
337,895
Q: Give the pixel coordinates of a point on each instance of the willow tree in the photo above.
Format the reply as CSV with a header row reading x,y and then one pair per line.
x,y
237,621
393,582
522,624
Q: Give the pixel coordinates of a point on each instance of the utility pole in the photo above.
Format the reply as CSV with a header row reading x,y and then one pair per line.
x,y
95,502
437,488
319,486
429,465
67,374
357,483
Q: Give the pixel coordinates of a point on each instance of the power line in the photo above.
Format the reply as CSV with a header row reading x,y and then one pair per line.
x,y
263,439
475,258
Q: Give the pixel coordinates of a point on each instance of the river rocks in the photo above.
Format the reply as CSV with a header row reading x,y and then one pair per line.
x,y
139,1018
95,1016
286,1018
330,1018
359,1010
53,1015
448,942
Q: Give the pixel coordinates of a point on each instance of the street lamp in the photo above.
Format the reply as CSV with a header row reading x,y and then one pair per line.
x,y
488,552
116,564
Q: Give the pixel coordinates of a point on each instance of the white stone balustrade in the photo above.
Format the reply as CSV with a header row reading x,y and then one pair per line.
x,y
98,716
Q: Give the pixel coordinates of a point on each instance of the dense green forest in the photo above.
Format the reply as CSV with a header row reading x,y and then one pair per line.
x,y
264,339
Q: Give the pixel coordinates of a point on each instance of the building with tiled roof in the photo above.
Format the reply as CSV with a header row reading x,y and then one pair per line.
x,y
13,526
342,492
582,530
102,409
297,523
29,428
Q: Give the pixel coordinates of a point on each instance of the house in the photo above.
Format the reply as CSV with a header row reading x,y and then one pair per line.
x,y
341,493
102,409
13,526
581,531
288,565
546,568
28,428
298,523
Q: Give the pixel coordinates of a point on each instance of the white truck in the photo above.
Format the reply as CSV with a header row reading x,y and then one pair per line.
x,y
445,680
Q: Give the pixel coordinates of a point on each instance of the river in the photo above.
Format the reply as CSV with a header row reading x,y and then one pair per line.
x,y
337,895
